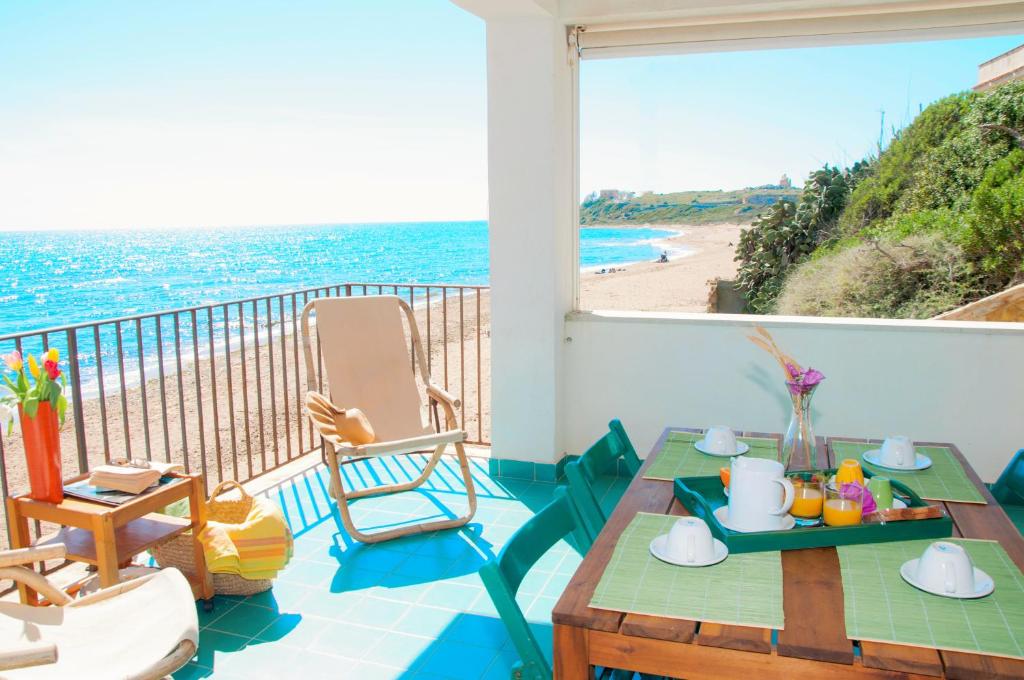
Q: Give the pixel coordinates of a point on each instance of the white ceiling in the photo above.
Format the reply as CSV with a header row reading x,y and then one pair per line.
x,y
639,12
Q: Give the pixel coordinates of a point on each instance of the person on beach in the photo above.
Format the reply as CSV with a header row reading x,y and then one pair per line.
x,y
664,257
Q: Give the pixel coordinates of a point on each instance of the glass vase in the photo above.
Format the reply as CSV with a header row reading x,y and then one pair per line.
x,y
798,446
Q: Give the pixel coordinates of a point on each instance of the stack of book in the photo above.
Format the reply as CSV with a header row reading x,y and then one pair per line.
x,y
131,477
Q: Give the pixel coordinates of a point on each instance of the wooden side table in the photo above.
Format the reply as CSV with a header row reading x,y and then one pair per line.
x,y
109,536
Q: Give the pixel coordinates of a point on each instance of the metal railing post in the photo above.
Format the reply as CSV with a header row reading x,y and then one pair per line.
x,y
76,401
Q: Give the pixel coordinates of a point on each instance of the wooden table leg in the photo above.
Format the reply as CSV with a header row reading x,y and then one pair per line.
x,y
20,539
197,514
572,658
106,550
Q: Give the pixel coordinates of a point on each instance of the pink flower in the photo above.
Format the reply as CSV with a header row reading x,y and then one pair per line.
x,y
812,377
805,382
13,361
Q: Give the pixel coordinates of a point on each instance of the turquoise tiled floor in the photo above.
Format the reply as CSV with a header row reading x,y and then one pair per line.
x,y
412,607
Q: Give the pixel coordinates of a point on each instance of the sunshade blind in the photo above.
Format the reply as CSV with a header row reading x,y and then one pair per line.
x,y
772,30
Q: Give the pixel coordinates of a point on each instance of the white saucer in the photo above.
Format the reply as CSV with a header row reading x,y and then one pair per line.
x,y
922,462
983,583
722,515
741,448
658,550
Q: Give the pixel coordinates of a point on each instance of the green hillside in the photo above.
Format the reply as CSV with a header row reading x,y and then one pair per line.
x,y
683,207
934,222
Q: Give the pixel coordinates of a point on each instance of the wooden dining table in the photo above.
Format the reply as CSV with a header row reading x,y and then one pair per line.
x,y
813,643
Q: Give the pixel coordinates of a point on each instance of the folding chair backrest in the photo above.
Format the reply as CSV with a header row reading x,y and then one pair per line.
x,y
603,458
367,362
503,575
1009,488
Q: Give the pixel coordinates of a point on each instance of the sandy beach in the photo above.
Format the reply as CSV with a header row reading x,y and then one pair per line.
x,y
680,285
231,433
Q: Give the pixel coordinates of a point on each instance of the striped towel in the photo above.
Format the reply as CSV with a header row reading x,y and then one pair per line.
x,y
256,549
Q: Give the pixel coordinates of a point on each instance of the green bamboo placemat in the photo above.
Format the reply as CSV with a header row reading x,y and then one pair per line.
x,y
680,458
945,480
882,607
744,589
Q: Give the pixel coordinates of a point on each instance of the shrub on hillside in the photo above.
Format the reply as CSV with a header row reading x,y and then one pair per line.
x,y
918,277
788,233
894,173
994,237
940,159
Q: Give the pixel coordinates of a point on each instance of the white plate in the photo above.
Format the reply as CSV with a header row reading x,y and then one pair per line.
x,y
658,550
983,583
722,515
741,448
922,462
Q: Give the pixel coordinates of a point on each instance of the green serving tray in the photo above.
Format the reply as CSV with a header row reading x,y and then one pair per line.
x,y
701,496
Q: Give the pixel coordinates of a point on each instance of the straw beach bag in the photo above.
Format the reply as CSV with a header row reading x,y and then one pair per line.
x,y
229,509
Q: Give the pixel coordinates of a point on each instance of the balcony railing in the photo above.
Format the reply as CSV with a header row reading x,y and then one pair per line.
x,y
219,388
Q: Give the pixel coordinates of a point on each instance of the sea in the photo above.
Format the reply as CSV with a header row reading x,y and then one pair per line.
x,y
58,278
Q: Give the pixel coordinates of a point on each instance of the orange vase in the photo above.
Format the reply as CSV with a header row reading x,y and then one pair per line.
x,y
42,454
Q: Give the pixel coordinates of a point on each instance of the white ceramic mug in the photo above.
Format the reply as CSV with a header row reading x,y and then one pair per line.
x,y
690,541
720,439
946,568
897,452
760,496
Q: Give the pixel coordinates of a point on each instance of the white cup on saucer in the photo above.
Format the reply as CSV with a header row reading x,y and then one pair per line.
x,y
946,567
898,452
720,440
690,541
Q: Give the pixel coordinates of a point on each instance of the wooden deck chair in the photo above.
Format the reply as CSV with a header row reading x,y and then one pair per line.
x,y
367,365
142,629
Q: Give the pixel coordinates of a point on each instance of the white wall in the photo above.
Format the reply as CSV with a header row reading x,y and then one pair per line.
x,y
937,381
532,200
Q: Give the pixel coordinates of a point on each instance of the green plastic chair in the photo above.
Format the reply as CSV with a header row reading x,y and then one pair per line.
x,y
503,575
600,459
1009,490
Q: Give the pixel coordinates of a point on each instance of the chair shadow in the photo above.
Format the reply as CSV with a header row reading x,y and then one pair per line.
x,y
203,664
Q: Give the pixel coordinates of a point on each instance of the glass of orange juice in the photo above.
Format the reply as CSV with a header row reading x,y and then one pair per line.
x,y
808,498
843,505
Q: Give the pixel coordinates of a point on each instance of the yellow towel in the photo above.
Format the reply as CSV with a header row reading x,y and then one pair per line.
x,y
256,549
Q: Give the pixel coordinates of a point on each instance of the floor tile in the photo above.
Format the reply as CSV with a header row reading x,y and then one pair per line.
x,y
457,660
426,621
347,640
400,649
245,619
214,644
450,595
293,630
482,631
412,607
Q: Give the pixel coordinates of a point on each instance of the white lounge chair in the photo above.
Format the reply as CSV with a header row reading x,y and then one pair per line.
x,y
369,367
140,629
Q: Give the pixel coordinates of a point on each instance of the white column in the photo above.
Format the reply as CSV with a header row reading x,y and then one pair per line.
x,y
531,123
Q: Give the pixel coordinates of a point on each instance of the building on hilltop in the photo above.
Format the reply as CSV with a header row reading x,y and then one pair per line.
x,y
615,195
1005,68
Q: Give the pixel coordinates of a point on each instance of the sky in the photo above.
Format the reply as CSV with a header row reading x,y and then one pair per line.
x,y
121,114
738,119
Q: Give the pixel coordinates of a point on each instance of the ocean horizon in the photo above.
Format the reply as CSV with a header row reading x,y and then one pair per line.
x,y
50,279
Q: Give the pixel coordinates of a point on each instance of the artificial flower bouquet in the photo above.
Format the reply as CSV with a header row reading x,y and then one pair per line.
x,y
47,386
